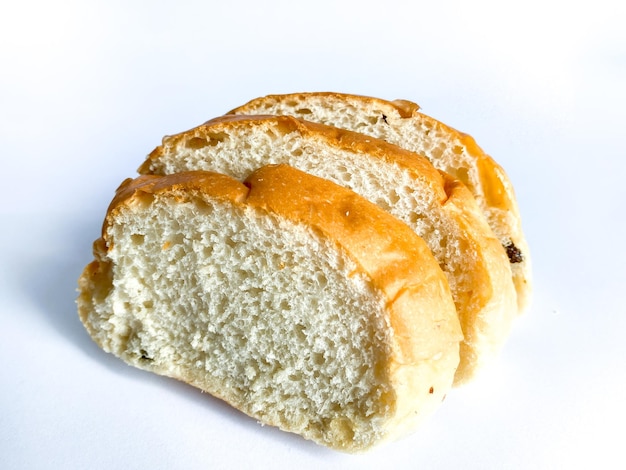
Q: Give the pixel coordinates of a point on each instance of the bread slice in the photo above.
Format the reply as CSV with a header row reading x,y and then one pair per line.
x,y
401,123
290,297
434,205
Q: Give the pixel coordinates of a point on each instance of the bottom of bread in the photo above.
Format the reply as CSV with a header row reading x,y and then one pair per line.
x,y
275,317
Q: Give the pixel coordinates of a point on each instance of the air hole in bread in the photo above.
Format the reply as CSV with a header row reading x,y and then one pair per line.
x,y
207,250
212,140
414,218
438,151
217,137
145,356
321,280
300,332
137,239
196,143
303,111
462,174
317,358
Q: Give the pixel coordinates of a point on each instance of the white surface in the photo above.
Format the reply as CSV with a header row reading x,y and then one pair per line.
x,y
89,88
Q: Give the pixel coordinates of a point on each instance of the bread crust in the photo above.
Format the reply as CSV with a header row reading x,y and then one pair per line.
x,y
487,309
422,316
493,189
144,187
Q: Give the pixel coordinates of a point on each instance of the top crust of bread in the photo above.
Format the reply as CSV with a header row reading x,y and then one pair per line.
x,y
477,267
422,344
401,122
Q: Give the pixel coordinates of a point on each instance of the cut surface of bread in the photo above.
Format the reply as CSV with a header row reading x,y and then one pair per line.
x,y
434,205
291,298
400,122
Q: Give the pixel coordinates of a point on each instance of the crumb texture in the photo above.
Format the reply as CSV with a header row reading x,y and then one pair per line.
x,y
401,183
211,295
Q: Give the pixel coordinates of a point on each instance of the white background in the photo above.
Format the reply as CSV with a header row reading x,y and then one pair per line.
x,y
87,89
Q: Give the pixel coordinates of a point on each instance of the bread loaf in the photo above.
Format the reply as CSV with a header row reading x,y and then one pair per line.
x,y
400,122
290,297
435,205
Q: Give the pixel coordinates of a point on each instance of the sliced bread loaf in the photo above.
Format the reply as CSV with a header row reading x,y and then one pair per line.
x,y
290,297
435,205
401,123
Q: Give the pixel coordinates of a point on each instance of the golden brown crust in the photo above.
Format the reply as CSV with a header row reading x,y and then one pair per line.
x,y
216,184
492,273
144,187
